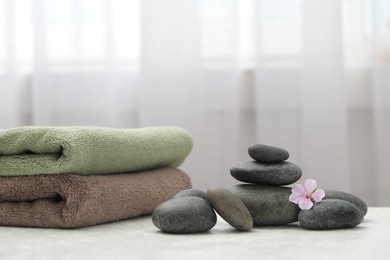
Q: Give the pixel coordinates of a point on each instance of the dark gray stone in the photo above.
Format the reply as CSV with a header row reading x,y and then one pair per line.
x,y
358,202
184,215
191,193
268,205
230,208
267,153
282,173
331,214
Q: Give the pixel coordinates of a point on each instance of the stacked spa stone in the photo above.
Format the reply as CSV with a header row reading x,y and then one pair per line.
x,y
262,201
268,201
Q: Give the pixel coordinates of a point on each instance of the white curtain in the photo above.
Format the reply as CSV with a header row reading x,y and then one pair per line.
x,y
312,76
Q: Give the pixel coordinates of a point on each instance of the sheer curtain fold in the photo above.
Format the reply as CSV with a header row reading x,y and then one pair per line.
x,y
309,76
41,92
175,87
381,97
381,82
324,108
10,112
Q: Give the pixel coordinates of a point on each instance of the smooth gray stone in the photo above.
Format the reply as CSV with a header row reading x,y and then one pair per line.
x,y
191,193
230,208
267,153
184,215
358,202
331,214
268,205
282,173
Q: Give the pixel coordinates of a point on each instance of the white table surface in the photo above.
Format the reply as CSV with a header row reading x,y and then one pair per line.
x,y
140,239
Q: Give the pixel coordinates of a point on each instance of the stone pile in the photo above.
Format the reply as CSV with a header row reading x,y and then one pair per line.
x,y
262,201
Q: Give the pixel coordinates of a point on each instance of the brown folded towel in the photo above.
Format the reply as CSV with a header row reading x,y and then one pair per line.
x,y
72,201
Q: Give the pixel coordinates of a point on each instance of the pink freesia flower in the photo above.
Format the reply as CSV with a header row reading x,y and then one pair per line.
x,y
305,197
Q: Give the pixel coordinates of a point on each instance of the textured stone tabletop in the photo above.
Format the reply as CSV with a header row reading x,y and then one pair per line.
x,y
140,239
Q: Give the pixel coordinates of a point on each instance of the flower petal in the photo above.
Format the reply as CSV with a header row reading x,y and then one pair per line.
x,y
298,189
296,197
305,204
310,185
318,195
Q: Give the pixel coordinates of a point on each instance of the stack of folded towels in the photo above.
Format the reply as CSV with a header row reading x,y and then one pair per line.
x,y
70,177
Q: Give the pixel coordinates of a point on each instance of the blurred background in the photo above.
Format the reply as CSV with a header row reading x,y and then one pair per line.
x,y
311,76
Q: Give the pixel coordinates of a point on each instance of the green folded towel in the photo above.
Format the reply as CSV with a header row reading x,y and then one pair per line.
x,y
90,150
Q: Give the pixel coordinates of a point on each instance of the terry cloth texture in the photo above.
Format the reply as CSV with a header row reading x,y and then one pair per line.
x,y
72,201
90,150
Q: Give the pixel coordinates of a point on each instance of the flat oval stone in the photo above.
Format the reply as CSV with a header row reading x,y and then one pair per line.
x,y
267,153
358,202
268,205
331,214
282,173
191,193
184,215
230,208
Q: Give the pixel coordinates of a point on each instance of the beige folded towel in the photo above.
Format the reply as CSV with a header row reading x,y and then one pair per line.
x,y
72,201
